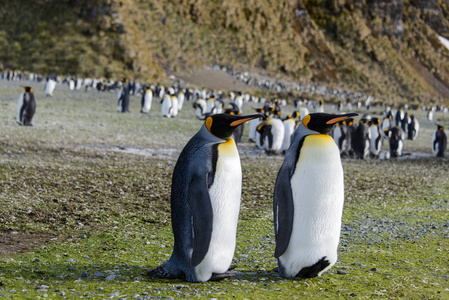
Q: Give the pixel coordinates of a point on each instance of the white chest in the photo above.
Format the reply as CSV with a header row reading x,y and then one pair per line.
x,y
225,194
318,193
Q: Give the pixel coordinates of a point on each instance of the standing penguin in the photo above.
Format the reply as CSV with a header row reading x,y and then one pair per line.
x,y
181,97
413,128
289,128
50,86
174,102
396,141
123,99
439,142
361,140
253,126
167,106
200,109
376,137
308,199
26,107
342,137
205,203
147,98
271,135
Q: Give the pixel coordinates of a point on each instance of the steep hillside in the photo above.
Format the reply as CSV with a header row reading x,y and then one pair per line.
x,y
386,48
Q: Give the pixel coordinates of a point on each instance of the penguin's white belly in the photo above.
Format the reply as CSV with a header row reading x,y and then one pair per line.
x,y
277,130
225,194
289,128
174,111
374,147
252,129
19,107
336,135
318,195
50,87
165,108
147,101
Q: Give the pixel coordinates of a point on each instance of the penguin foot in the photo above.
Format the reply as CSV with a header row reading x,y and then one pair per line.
x,y
165,271
221,276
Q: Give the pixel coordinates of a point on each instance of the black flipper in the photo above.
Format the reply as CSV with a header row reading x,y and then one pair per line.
x,y
283,212
312,271
201,208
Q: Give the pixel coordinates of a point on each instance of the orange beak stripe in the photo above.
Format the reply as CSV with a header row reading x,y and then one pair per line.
x,y
238,122
335,120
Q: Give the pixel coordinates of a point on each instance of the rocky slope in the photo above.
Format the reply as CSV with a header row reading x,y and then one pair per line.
x,y
386,48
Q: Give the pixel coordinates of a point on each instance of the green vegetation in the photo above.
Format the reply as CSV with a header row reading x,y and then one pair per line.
x,y
388,50
82,216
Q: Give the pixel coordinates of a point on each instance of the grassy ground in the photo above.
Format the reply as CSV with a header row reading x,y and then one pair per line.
x,y
82,216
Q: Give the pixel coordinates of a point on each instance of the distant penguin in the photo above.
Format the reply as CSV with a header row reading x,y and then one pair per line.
x,y
400,115
123,98
147,98
289,128
430,115
271,135
253,126
175,107
210,105
439,142
387,123
239,101
303,111
181,98
320,107
342,137
200,109
308,200
361,140
26,107
71,84
166,106
376,137
396,141
50,86
413,128
205,202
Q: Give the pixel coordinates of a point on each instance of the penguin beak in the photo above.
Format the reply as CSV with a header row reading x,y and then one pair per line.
x,y
246,119
340,118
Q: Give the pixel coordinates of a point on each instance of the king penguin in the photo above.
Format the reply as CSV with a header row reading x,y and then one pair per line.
x,y
308,199
50,86
439,142
205,203
147,99
26,107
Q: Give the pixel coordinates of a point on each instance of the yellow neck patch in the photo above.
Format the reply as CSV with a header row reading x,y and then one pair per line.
x,y
209,123
227,147
306,120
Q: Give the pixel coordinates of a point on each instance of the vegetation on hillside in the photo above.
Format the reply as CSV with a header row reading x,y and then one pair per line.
x,y
389,49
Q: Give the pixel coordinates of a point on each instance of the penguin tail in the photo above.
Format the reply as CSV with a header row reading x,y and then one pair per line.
x,y
314,270
166,270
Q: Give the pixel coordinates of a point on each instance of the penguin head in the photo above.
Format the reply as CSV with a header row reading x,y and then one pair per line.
x,y
223,125
440,127
28,88
322,122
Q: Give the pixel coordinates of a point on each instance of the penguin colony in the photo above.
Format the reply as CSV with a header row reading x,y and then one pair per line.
x,y
307,220
271,133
